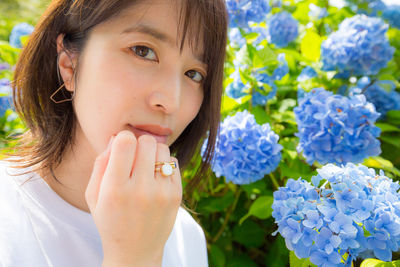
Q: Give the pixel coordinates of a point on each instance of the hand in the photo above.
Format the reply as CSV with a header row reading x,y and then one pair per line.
x,y
134,207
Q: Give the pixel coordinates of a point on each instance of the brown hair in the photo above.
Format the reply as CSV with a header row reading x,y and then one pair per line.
x,y
50,125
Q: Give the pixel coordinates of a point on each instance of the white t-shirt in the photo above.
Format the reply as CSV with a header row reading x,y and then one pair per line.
x,y
38,229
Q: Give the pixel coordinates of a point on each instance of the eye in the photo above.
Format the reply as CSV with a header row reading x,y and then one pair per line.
x,y
144,52
195,76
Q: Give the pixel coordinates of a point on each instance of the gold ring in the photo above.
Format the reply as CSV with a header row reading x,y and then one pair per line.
x,y
166,168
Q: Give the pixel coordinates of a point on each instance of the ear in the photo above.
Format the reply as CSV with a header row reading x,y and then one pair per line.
x,y
66,63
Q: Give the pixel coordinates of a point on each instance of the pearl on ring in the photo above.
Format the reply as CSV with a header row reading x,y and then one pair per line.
x,y
166,169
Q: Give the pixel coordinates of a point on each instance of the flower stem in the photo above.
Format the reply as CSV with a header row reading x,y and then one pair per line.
x,y
274,181
228,215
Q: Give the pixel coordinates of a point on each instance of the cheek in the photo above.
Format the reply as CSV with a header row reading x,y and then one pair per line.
x,y
113,84
191,106
104,93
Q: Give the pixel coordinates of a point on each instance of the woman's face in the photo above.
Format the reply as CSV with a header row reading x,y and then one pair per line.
x,y
132,73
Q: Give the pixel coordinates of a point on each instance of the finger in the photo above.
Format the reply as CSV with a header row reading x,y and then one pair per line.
x,y
176,177
176,182
121,160
100,165
143,171
162,155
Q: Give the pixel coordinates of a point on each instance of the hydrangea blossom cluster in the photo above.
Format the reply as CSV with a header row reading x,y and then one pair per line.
x,y
317,12
306,74
18,31
5,86
241,12
359,46
245,151
237,88
336,129
392,14
354,212
4,66
389,11
282,29
380,93
237,40
5,98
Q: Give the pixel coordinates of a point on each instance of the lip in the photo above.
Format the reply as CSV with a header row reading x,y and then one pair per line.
x,y
158,132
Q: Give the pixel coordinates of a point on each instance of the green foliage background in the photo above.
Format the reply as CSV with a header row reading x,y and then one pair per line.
x,y
237,219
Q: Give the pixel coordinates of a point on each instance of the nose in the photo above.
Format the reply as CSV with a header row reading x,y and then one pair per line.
x,y
166,94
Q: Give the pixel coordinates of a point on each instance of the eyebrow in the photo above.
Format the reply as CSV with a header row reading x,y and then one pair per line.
x,y
155,33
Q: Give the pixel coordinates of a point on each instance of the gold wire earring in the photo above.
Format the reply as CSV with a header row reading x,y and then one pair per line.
x,y
63,85
64,100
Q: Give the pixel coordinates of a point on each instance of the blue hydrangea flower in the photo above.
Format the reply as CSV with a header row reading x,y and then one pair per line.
x,y
5,98
389,11
359,46
237,88
18,31
245,151
323,223
317,12
306,74
4,66
380,93
282,69
336,129
278,74
276,3
235,37
5,86
375,6
282,29
392,14
5,103
241,12
262,35
238,41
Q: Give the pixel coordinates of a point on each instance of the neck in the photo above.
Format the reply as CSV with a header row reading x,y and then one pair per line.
x,y
73,173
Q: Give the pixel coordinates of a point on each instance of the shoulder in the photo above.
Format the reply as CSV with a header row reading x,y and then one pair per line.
x,y
14,223
187,239
188,224
10,177
10,200
6,181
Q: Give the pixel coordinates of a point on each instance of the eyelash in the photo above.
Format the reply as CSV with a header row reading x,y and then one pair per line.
x,y
133,48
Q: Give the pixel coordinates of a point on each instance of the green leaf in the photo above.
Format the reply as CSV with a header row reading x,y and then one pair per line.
x,y
386,127
228,104
393,140
240,261
214,204
261,208
8,53
249,234
287,104
381,163
296,262
393,116
243,56
260,115
311,46
379,263
378,162
277,254
217,256
296,168
264,57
